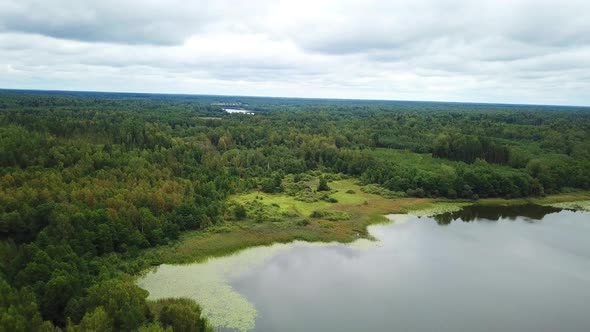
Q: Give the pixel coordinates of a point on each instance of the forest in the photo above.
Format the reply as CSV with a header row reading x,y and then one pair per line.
x,y
89,181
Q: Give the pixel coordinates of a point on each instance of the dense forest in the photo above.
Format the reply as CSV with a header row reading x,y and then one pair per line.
x,y
88,181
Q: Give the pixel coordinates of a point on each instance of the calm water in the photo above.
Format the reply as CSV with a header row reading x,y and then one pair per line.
x,y
238,111
484,269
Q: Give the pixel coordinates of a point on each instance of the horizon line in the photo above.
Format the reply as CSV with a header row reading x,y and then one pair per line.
x,y
290,97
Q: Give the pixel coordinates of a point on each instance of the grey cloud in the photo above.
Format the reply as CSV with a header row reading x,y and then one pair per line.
x,y
501,50
132,22
46,54
396,26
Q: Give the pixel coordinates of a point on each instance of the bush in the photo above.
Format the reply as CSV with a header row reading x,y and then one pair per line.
x,y
419,192
180,314
452,194
240,212
328,199
323,185
383,192
302,222
273,184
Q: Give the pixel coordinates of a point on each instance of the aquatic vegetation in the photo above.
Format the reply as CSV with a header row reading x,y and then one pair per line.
x,y
576,205
439,208
209,282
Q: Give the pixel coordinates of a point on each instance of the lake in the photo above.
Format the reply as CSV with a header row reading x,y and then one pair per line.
x,y
238,111
521,268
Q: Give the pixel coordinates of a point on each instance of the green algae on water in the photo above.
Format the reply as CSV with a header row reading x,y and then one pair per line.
x,y
575,205
208,284
439,208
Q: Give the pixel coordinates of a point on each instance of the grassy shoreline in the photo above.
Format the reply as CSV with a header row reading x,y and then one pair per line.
x,y
222,305
362,208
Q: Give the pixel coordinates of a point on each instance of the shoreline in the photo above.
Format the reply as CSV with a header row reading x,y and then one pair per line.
x,y
214,266
230,238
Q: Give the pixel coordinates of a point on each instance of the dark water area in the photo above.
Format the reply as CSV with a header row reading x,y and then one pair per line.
x,y
523,268
529,212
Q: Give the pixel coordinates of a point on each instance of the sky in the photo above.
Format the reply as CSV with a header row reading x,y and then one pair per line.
x,y
505,51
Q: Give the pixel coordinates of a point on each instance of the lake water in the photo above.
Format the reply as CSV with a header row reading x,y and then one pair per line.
x,y
238,111
481,269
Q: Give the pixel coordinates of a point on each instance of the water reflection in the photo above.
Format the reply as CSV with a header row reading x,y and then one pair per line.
x,y
528,212
466,276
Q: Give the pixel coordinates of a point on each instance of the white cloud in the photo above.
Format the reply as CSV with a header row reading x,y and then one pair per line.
x,y
493,51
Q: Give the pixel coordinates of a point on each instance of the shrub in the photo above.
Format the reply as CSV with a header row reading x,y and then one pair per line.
x,y
302,222
180,314
383,192
329,199
418,192
240,212
323,185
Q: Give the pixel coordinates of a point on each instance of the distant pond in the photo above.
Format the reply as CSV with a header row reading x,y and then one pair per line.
x,y
238,111
524,268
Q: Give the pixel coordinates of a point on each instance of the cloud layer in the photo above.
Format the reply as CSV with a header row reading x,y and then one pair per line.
x,y
519,51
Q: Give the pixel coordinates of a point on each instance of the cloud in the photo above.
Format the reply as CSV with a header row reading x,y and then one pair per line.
x,y
493,51
168,22
375,25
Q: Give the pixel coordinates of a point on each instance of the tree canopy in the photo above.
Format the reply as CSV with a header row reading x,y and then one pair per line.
x,y
87,182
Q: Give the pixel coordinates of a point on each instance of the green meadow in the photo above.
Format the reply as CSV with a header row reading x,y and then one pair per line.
x,y
287,218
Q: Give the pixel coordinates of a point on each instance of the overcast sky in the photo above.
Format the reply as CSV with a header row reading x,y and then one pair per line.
x,y
515,51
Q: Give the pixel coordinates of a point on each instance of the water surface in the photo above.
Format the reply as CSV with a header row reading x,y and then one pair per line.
x,y
482,269
238,111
